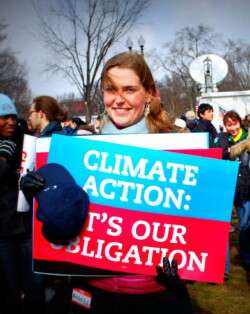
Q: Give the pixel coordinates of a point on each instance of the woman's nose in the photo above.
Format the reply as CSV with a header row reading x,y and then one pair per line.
x,y
119,98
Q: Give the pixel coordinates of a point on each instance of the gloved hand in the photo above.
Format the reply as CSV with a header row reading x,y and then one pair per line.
x,y
31,183
168,273
7,149
168,276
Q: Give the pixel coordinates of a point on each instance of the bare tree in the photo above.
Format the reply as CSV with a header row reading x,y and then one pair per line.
x,y
189,43
238,60
80,35
13,76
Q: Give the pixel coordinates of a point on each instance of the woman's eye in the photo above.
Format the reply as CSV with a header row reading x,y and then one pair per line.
x,y
130,90
109,89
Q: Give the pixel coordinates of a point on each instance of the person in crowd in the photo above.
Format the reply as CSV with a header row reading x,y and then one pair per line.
x,y
191,120
132,105
75,126
235,143
246,121
181,125
205,113
97,124
23,126
73,123
45,116
22,290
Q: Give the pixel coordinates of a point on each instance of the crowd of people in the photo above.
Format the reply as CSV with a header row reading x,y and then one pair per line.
x,y
132,105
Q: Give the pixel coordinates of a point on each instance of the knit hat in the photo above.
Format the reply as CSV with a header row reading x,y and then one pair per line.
x,y
62,204
190,115
7,106
180,123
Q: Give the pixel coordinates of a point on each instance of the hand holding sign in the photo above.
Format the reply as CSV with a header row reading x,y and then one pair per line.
x,y
31,183
169,277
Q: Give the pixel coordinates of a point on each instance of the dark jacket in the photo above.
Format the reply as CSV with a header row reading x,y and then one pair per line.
x,y
192,124
225,141
12,223
52,127
206,126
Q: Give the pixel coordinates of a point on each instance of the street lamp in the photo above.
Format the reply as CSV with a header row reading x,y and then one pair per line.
x,y
141,42
208,75
129,44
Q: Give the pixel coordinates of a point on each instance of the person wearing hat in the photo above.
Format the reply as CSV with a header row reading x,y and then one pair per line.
x,y
15,227
191,120
181,125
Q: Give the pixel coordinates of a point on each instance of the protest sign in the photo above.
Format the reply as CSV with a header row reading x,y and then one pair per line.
x,y
145,204
27,163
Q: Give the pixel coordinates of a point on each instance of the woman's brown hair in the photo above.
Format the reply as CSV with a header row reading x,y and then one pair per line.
x,y
50,107
233,115
158,120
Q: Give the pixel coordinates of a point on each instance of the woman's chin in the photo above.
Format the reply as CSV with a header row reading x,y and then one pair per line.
x,y
121,123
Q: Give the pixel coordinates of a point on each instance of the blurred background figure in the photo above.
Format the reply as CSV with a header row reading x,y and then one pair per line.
x,y
76,126
235,143
191,119
246,121
181,125
45,116
205,114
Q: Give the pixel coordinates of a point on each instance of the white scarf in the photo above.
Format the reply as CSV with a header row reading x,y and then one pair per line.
x,y
138,128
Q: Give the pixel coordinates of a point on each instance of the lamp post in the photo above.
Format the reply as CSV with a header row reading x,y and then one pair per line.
x,y
129,44
208,75
141,43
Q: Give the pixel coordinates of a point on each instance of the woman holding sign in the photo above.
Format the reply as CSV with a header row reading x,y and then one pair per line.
x,y
132,105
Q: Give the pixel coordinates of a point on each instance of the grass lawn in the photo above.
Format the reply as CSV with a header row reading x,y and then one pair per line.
x,y
232,297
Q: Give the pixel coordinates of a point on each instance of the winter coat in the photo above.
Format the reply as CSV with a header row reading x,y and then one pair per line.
x,y
12,223
231,149
206,126
52,127
239,151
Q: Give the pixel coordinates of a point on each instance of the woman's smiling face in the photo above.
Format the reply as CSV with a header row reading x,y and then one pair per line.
x,y
124,97
233,127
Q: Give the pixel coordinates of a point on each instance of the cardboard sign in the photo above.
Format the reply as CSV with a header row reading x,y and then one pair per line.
x,y
145,204
28,162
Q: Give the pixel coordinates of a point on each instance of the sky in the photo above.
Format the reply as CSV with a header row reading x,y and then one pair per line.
x,y
158,25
